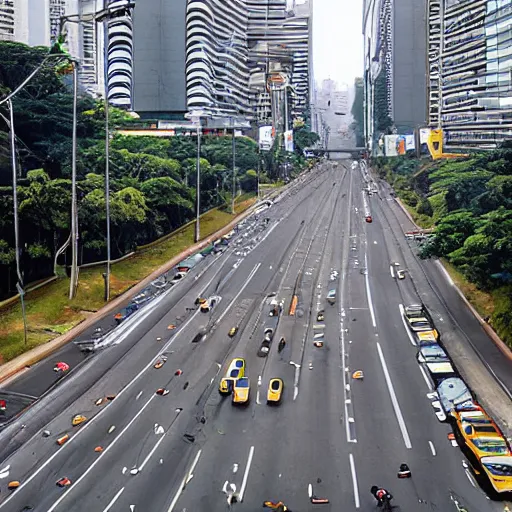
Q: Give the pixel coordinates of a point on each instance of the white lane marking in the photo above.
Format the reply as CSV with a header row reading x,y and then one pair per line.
x,y
296,382
150,454
391,269
183,483
225,312
368,292
194,464
445,272
432,448
102,411
258,397
103,453
354,480
426,378
139,394
246,474
470,477
394,400
114,499
407,330
346,387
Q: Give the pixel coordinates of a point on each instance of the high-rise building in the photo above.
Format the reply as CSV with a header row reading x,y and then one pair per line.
x,y
38,22
14,20
395,35
217,74
470,94
215,56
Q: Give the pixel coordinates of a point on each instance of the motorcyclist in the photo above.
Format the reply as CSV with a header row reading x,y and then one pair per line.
x,y
381,495
282,343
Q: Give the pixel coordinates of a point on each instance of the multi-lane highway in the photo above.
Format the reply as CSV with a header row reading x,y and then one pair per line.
x,y
179,452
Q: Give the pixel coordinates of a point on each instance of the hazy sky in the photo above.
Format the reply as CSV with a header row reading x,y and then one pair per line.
x,y
337,40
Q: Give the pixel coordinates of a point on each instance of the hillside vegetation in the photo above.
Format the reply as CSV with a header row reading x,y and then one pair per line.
x,y
469,202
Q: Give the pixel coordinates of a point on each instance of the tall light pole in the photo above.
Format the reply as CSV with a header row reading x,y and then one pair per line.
x,y
198,183
100,16
107,160
19,284
74,207
233,143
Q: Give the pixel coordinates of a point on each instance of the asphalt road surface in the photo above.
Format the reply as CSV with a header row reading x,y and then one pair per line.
x,y
142,452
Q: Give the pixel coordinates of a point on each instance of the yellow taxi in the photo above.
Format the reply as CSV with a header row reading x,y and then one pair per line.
x,y
235,371
485,446
241,391
78,420
499,472
480,434
427,337
275,391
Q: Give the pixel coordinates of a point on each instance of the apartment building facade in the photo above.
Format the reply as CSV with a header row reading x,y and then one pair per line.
x,y
395,38
218,54
470,78
38,22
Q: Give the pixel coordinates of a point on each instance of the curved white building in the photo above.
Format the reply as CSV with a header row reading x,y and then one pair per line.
x,y
217,76
120,59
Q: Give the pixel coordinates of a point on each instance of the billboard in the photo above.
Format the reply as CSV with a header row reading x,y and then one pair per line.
x,y
400,144
424,135
288,141
410,143
390,144
266,140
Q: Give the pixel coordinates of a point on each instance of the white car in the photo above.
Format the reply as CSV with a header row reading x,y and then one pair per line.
x,y
400,274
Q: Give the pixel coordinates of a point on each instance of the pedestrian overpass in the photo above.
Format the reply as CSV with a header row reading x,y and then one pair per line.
x,y
355,152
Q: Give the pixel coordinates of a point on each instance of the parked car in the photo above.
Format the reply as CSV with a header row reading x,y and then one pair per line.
x,y
436,363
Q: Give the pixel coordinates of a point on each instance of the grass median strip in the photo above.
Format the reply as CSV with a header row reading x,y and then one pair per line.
x,y
50,313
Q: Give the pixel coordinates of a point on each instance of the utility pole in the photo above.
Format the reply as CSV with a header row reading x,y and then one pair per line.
x,y
259,170
233,142
107,160
74,208
198,182
19,284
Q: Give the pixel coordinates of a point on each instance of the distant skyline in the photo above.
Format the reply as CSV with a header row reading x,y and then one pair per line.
x,y
337,40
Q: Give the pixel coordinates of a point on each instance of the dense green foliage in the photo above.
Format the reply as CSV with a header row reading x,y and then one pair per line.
x,y
152,180
470,204
358,112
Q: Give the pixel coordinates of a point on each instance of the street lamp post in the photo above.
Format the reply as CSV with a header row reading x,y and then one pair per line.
x,y
233,142
107,162
19,284
74,207
198,183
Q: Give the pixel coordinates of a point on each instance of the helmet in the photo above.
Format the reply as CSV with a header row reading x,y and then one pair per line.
x,y
374,489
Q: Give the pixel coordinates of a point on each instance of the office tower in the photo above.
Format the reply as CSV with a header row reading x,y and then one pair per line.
x,y
14,20
216,55
395,35
217,76
471,91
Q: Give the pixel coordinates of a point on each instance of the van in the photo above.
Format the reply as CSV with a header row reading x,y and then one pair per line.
x,y
331,297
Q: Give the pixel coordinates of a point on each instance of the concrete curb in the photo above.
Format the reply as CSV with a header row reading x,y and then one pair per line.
x,y
35,355
502,346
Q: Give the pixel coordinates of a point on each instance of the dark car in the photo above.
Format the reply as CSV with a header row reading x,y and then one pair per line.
x,y
264,348
126,312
